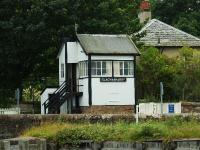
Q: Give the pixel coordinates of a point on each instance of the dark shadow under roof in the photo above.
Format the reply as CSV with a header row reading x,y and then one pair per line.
x,y
107,44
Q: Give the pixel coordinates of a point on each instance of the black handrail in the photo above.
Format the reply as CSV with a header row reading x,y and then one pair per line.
x,y
64,92
55,91
61,92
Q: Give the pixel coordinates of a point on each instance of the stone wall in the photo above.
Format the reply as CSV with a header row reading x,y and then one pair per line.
x,y
190,107
27,107
23,144
108,109
13,125
41,144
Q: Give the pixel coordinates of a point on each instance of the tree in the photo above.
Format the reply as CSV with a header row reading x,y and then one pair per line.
x,y
32,30
183,14
153,67
187,79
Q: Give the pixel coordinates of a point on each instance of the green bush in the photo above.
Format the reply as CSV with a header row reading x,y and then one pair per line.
x,y
149,131
165,129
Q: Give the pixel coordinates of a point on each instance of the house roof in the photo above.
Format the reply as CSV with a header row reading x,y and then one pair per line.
x,y
158,33
107,44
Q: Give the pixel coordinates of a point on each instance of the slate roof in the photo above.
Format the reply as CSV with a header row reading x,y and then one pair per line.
x,y
107,44
156,31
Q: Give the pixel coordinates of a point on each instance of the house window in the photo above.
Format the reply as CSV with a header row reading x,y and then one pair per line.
x,y
104,68
62,71
123,68
83,69
101,68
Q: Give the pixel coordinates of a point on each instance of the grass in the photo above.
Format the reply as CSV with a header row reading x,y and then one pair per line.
x,y
168,129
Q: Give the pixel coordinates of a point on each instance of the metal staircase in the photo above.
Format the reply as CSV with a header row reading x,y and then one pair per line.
x,y
64,92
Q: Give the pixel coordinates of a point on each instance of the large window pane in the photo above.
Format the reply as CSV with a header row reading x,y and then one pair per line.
x,y
101,68
93,68
130,72
126,64
93,71
121,72
83,69
104,67
98,71
104,64
98,64
62,74
126,71
116,66
103,71
94,64
123,68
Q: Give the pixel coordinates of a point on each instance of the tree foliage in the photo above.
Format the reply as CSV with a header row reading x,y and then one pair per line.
x,y
187,79
32,30
181,76
153,68
183,14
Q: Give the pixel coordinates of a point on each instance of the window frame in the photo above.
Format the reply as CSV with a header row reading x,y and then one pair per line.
x,y
122,68
62,70
130,68
83,69
101,68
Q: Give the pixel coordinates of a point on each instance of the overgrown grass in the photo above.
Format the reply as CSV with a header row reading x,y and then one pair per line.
x,y
168,129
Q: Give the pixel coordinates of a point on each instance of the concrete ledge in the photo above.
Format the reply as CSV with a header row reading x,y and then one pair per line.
x,y
41,144
185,144
29,143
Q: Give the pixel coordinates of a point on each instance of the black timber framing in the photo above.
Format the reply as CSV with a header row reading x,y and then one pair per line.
x,y
89,80
66,60
114,54
135,76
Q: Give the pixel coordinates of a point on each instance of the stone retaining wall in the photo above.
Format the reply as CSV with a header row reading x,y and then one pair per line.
x,y
23,144
190,107
41,144
13,125
188,144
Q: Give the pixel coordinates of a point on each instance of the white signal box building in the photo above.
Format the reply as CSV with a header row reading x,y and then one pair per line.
x,y
96,75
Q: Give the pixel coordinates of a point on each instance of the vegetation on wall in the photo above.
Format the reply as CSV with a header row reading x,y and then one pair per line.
x,y
166,129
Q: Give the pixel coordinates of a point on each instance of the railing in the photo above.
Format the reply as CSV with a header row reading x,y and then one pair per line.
x,y
9,111
65,91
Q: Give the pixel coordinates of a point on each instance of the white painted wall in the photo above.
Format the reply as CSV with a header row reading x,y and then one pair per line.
x,y
61,61
84,99
81,54
155,108
113,93
72,52
44,97
75,53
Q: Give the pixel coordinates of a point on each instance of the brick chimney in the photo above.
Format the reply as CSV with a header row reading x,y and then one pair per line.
x,y
145,11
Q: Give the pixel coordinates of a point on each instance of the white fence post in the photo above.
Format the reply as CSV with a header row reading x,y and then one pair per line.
x,y
9,111
137,113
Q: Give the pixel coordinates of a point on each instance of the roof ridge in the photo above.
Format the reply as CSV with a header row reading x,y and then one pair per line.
x,y
146,26
109,35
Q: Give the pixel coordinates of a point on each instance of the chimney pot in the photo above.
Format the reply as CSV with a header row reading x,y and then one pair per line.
x,y
145,11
